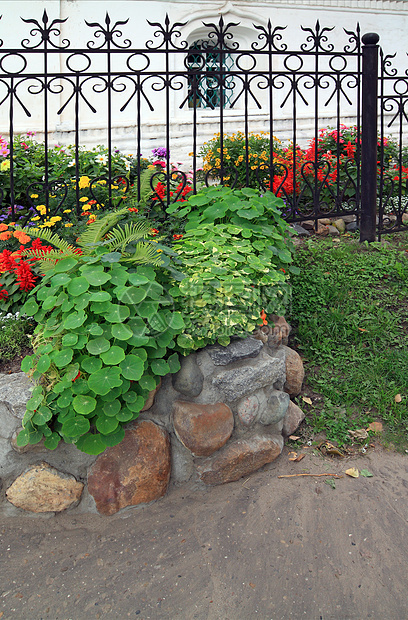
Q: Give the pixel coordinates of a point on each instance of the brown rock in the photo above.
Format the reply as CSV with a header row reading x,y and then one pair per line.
x,y
41,488
202,429
325,221
151,397
405,218
280,331
293,417
295,372
322,229
36,447
240,458
136,471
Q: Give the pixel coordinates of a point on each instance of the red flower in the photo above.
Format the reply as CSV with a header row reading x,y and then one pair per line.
x,y
25,278
159,163
154,232
3,293
133,209
77,377
263,317
177,236
7,261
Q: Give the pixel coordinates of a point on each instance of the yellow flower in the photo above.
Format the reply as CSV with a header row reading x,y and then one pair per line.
x,y
55,218
68,225
191,154
102,182
34,219
115,187
33,195
84,199
84,181
42,209
67,211
5,165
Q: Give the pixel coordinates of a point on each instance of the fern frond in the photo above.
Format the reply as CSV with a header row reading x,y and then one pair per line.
x,y
121,237
145,253
145,187
98,229
50,237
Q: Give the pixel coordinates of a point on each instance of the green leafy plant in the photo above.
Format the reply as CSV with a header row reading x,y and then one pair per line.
x,y
104,335
236,253
15,332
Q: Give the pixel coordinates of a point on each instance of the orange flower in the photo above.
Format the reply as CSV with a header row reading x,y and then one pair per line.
x,y
3,227
21,236
263,317
6,235
133,209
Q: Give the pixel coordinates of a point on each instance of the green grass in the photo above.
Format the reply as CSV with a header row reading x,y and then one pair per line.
x,y
14,331
350,314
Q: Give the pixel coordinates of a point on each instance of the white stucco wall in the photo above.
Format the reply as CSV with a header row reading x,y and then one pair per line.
x,y
388,18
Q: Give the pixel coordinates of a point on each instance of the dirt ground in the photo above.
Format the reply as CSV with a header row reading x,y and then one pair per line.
x,y
266,547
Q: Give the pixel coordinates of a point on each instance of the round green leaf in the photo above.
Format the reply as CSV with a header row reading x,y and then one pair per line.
x,y
27,363
137,405
132,295
65,399
95,329
61,279
91,444
91,364
77,286
113,356
30,307
63,358
111,257
101,307
117,313
102,381
81,301
52,441
160,367
84,404
77,425
114,438
147,382
68,340
97,277
176,321
42,416
132,367
49,303
43,363
125,415
147,309
65,264
23,438
80,386
137,280
121,332
119,276
74,320
112,408
100,296
106,425
98,346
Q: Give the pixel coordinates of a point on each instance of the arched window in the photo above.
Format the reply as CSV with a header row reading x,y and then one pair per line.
x,y
208,80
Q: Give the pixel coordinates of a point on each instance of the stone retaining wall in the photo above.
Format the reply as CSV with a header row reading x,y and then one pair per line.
x,y
222,416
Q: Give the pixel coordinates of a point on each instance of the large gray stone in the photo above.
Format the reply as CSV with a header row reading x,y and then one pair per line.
x,y
276,408
189,379
15,389
8,422
239,382
235,351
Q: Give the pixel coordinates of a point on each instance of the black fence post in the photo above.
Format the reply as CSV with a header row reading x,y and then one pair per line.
x,y
369,137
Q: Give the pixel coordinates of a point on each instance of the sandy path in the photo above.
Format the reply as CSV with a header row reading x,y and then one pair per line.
x,y
264,548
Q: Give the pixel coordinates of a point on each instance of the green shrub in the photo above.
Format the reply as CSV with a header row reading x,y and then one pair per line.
x,y
104,336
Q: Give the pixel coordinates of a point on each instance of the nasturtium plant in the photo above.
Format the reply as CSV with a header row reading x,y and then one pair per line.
x,y
103,339
236,254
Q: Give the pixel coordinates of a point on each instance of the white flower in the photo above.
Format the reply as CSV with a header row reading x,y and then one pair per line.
x,y
101,159
127,164
71,163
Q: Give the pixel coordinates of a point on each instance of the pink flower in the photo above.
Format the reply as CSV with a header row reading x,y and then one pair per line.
x,y
159,163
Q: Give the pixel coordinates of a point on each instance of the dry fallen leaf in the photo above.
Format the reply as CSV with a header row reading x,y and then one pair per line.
x,y
359,433
292,456
398,398
307,400
252,585
377,427
353,472
300,457
293,437
361,329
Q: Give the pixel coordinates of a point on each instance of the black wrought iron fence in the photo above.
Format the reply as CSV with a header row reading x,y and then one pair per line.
x,y
259,87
